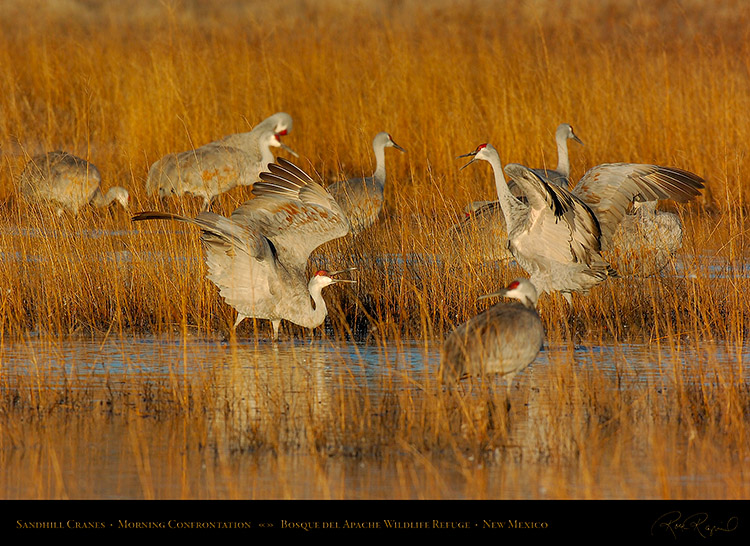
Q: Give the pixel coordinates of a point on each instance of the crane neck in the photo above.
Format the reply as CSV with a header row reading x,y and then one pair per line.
x,y
563,163
101,200
379,174
318,311
508,202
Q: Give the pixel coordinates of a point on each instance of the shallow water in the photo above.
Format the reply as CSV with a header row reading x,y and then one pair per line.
x,y
246,372
90,361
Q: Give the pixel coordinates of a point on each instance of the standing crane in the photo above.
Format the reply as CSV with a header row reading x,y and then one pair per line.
x,y
561,174
67,182
217,167
362,198
257,257
645,241
486,217
557,235
553,235
502,340
638,237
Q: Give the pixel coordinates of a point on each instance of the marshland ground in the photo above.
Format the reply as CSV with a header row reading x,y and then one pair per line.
x,y
119,374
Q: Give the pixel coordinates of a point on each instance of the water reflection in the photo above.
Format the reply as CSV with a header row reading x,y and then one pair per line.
x,y
352,365
311,388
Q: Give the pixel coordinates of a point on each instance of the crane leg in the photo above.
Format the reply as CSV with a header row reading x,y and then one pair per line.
x,y
275,324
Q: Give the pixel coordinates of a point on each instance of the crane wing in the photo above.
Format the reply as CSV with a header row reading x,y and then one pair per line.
x,y
294,212
241,262
609,190
559,225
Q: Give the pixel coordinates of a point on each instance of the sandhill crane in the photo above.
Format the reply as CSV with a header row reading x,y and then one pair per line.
x,y
485,218
602,197
561,174
503,340
554,236
623,196
645,241
362,198
258,256
219,166
67,182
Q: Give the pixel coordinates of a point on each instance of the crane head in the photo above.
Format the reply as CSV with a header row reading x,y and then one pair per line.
x,y
519,289
275,141
325,278
384,140
482,151
565,130
392,144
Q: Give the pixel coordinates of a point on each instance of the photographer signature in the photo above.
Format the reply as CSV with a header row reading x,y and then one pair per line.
x,y
697,523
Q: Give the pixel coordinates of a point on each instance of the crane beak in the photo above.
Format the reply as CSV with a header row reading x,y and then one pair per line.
x,y
471,155
578,140
332,273
399,148
502,292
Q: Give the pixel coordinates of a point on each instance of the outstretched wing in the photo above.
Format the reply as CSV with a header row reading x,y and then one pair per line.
x,y
241,262
560,227
609,189
293,211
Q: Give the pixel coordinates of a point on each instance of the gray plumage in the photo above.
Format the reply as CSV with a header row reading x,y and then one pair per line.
x,y
485,218
645,241
553,235
65,181
219,166
258,256
362,198
502,340
636,237
600,212
561,174
613,190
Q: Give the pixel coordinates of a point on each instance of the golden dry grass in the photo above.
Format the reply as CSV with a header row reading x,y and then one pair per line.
x,y
121,84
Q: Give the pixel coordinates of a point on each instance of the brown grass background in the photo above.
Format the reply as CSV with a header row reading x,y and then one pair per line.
x,y
123,83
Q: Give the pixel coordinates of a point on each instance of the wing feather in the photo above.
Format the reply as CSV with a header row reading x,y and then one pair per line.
x,y
296,213
610,189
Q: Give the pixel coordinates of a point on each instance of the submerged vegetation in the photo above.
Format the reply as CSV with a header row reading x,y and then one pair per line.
x,y
121,84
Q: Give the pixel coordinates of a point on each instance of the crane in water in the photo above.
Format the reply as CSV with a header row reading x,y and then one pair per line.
x,y
502,340
552,234
637,237
362,198
257,257
217,167
67,182
485,218
557,235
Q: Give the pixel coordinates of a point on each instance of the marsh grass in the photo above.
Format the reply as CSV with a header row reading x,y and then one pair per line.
x,y
124,83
